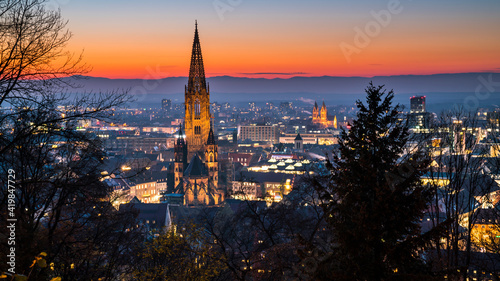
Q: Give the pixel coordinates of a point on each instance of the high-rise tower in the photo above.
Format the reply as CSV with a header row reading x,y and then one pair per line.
x,y
197,101
417,104
418,118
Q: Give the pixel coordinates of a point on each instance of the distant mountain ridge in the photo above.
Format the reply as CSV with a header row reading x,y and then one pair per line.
x,y
402,84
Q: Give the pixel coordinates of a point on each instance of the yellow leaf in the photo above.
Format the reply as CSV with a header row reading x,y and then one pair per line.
x,y
3,276
19,277
42,263
56,279
43,254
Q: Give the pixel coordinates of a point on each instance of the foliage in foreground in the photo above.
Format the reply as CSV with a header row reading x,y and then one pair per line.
x,y
178,254
374,198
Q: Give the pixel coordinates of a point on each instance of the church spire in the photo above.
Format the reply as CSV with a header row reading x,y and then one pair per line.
x,y
211,138
180,136
197,80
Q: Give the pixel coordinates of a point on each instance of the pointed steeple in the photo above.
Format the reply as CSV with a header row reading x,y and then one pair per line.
x,y
180,136
211,138
179,133
323,106
315,105
180,157
197,80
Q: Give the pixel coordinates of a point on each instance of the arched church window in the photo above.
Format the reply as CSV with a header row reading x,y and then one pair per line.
x,y
197,109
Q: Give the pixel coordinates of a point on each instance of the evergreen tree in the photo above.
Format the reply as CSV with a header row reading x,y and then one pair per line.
x,y
375,198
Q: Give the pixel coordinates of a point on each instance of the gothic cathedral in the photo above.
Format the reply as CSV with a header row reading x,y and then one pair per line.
x,y
196,164
320,117
197,102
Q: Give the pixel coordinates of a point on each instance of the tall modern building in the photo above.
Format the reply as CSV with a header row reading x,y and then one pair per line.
x,y
418,118
417,104
166,104
285,107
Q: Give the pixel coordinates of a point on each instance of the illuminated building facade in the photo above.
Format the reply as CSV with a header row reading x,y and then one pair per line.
x,y
259,133
320,117
197,102
197,178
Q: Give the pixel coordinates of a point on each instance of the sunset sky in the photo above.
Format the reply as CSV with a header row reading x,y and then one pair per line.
x,y
257,38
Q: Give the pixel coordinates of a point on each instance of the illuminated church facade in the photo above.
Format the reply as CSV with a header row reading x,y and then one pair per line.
x,y
320,117
196,169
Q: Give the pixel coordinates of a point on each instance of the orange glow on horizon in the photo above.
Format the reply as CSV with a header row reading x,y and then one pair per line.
x,y
130,39
139,62
275,55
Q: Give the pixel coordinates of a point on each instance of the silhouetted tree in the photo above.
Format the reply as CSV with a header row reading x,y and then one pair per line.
x,y
260,240
374,198
63,207
33,56
62,204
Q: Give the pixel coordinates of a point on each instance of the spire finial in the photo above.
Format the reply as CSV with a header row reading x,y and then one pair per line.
x,y
196,80
180,131
211,138
196,24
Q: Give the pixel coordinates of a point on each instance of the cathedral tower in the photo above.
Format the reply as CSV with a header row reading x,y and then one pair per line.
x,y
315,113
197,101
211,155
324,115
198,179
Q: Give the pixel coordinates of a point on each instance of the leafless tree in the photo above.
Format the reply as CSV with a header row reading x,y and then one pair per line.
x,y
33,55
62,204
260,240
461,184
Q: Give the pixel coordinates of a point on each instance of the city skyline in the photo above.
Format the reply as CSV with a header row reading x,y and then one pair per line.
x,y
248,140
258,39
